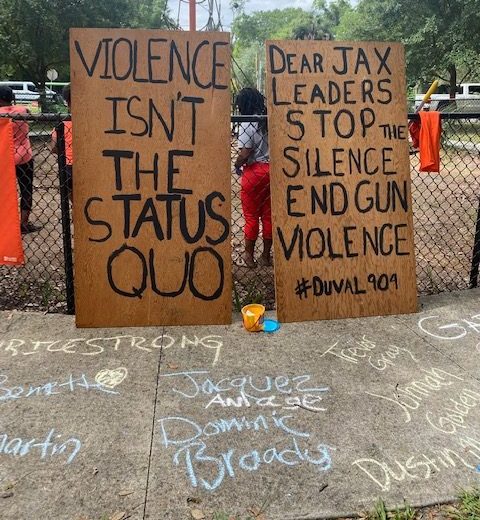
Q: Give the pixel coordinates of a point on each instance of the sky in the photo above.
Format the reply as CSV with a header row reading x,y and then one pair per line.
x,y
251,5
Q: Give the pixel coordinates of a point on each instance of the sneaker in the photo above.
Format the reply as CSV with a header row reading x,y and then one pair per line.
x,y
29,228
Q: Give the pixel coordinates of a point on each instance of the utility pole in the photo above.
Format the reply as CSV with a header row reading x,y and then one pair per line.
x,y
193,15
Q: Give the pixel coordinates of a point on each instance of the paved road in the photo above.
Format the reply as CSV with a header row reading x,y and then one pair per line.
x,y
317,419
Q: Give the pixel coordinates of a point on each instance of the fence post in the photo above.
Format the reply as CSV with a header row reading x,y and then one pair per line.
x,y
476,252
65,208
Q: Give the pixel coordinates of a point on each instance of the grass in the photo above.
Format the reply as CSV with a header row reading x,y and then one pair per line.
x,y
468,507
380,513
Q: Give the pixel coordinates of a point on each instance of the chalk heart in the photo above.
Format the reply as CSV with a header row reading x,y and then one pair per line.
x,y
111,378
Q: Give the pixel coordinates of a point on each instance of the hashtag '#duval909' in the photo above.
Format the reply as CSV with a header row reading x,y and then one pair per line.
x,y
318,286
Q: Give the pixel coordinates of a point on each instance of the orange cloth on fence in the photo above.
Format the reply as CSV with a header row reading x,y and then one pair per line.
x,y
414,129
11,248
430,130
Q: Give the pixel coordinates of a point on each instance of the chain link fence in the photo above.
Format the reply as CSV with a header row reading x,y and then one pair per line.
x,y
445,211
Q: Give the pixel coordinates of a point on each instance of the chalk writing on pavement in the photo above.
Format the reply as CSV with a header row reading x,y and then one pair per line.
x,y
440,328
70,384
410,396
47,448
194,444
111,378
246,390
97,346
379,357
421,465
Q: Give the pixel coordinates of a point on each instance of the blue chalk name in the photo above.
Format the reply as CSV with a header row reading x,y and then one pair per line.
x,y
45,449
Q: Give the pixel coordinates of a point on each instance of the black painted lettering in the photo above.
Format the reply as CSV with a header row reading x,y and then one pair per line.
x,y
139,171
152,58
344,60
291,158
296,123
127,199
386,91
106,74
344,123
275,98
168,277
322,114
169,129
367,91
277,59
218,217
383,60
130,112
318,244
148,214
194,101
118,155
362,208
291,200
176,57
115,129
362,60
348,241
96,222
217,65
196,54
128,51
90,69
397,230
173,170
191,276
386,158
367,119
297,236
298,94
133,292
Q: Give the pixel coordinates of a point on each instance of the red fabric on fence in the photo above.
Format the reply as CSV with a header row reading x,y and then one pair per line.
x,y
11,248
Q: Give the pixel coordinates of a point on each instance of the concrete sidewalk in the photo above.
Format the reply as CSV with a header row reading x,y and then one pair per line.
x,y
319,419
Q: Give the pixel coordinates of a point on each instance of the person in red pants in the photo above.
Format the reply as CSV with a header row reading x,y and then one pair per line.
x,y
253,156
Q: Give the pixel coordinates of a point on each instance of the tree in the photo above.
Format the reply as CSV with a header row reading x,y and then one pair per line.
x,y
250,32
34,34
259,26
153,14
440,36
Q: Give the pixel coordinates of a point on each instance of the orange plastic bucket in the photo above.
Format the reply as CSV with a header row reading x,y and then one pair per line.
x,y
253,315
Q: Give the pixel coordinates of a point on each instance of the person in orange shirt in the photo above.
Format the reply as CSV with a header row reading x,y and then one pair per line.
x,y
23,157
67,126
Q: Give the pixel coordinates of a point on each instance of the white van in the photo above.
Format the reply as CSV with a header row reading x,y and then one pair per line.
x,y
467,98
26,91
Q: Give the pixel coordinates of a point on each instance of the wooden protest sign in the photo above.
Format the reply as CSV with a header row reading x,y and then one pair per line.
x,y
151,180
340,179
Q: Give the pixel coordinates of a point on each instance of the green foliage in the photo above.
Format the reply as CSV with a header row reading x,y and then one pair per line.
x,y
259,26
468,507
152,14
34,34
328,15
380,513
440,37
251,30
